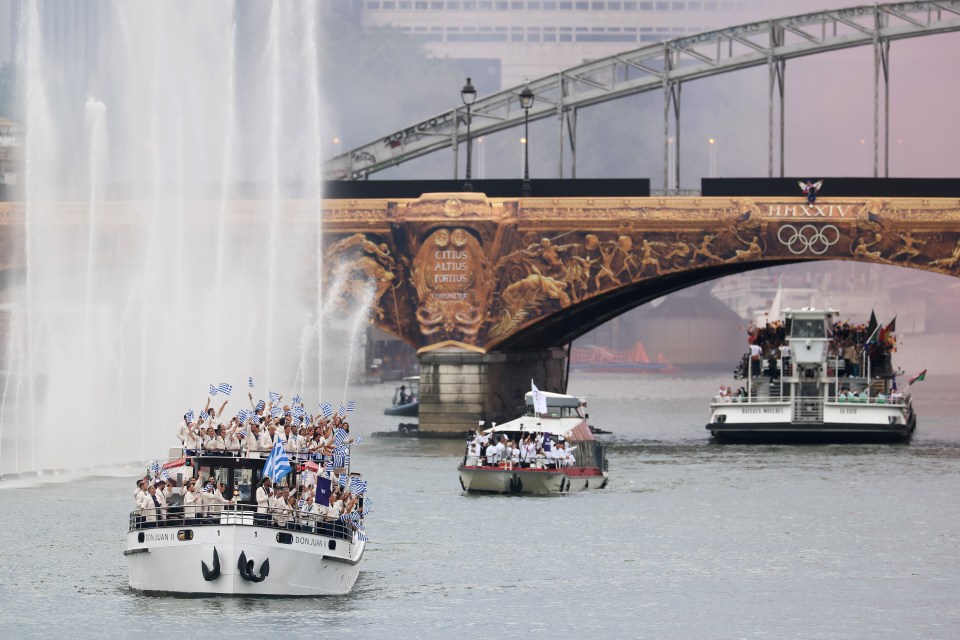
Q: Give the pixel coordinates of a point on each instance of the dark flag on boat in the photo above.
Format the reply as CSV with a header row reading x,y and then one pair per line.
x,y
323,491
917,378
887,330
872,325
546,443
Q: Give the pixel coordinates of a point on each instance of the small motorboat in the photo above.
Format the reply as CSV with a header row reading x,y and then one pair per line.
x,y
406,399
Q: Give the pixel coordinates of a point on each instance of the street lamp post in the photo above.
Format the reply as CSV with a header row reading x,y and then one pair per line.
x,y
713,158
526,101
469,95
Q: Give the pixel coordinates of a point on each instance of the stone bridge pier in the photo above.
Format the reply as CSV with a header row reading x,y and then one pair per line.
x,y
458,387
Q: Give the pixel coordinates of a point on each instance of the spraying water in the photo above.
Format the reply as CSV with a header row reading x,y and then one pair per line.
x,y
145,261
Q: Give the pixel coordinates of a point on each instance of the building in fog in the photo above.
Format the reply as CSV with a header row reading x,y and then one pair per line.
x,y
501,42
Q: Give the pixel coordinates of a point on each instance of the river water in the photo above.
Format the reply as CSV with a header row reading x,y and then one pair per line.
x,y
690,540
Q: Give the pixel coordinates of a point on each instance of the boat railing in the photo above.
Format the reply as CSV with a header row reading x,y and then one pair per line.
x,y
586,453
242,514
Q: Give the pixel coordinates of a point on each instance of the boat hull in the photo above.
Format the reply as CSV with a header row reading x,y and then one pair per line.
x,y
409,410
475,479
834,431
160,563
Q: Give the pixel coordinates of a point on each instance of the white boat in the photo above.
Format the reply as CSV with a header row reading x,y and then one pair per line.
x,y
565,420
236,551
814,395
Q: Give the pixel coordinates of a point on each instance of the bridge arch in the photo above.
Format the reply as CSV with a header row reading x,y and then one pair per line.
x,y
664,67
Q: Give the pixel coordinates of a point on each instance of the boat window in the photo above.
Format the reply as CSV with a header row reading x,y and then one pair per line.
x,y
243,482
808,329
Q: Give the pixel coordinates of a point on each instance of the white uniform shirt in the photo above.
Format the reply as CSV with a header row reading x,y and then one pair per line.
x,y
493,456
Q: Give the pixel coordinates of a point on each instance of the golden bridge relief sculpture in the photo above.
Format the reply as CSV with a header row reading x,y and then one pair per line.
x,y
450,275
357,263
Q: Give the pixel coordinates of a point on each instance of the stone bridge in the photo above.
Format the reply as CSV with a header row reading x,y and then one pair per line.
x,y
490,290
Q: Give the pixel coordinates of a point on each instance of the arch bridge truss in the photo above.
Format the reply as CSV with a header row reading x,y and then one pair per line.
x,y
665,67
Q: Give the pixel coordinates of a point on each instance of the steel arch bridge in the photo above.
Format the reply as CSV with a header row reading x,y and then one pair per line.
x,y
665,67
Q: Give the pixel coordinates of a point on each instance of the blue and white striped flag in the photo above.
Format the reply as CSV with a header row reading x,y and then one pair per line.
x,y
278,463
344,478
300,504
225,388
328,466
154,467
299,412
204,415
341,410
362,537
297,400
339,437
274,396
367,504
213,390
208,488
189,415
327,409
359,440
244,415
260,405
351,405
250,382
295,421
164,474
340,460
276,412
242,433
357,485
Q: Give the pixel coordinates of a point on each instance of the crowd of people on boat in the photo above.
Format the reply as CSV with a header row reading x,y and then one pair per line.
x,y
530,450
310,506
851,342
254,433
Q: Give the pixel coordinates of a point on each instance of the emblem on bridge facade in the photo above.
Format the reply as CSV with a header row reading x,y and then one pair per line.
x,y
450,275
808,238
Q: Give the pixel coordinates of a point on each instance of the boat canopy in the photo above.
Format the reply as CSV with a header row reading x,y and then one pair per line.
x,y
569,428
558,400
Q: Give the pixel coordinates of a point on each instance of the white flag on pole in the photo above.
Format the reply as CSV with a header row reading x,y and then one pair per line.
x,y
539,399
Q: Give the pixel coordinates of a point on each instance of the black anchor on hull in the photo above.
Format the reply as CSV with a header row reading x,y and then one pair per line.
x,y
246,569
211,574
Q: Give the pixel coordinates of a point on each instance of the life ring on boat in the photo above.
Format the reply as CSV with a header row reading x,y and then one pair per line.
x,y
211,574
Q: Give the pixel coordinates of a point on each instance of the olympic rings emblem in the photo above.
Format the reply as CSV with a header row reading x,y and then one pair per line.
x,y
809,237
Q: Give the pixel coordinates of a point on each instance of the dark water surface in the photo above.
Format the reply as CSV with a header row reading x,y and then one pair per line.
x,y
690,540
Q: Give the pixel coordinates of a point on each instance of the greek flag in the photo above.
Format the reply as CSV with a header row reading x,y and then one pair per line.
x,y
297,400
359,440
208,488
260,405
299,412
327,409
244,415
344,478
241,433
250,382
204,415
339,437
328,466
225,388
189,416
361,536
341,410
367,504
295,422
358,486
351,405
274,396
340,460
164,474
278,463
276,412
213,390
154,467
